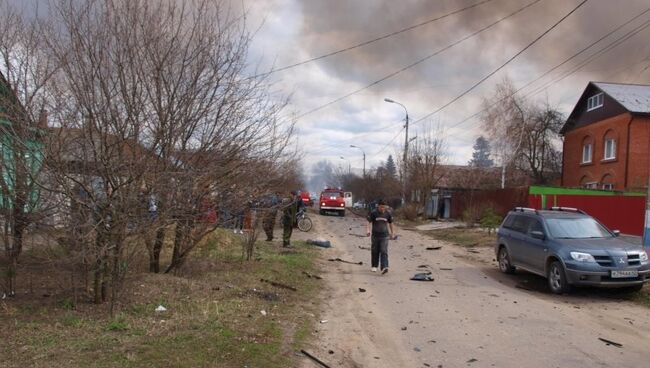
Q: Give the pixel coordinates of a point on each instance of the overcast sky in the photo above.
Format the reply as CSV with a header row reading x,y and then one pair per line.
x,y
292,31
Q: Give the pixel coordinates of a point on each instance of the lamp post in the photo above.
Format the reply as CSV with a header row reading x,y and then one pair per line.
x,y
364,158
343,158
406,148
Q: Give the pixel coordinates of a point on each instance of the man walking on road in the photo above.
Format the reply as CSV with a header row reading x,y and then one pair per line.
x,y
380,225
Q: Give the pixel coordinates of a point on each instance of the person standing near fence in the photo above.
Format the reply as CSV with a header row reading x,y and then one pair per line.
x,y
290,208
380,229
270,213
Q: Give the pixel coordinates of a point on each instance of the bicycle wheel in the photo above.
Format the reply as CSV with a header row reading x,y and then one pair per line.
x,y
304,224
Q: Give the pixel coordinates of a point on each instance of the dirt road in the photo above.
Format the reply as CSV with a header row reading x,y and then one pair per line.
x,y
471,315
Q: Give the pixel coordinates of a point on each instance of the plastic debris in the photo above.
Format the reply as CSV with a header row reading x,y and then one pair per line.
x,y
160,308
422,276
320,243
263,312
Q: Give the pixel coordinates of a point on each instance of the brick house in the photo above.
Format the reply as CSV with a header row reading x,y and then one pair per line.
x,y
607,138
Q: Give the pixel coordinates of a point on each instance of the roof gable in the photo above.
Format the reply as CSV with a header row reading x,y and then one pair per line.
x,y
618,99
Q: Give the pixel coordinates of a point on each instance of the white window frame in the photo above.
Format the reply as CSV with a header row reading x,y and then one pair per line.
x,y
591,185
586,148
595,101
608,186
612,154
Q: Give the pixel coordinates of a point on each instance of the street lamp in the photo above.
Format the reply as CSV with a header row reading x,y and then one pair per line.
x,y
343,158
406,148
364,158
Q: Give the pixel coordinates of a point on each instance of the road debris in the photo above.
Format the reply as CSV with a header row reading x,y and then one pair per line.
x,y
362,290
312,276
364,248
434,248
610,342
263,312
280,285
473,251
320,243
445,269
423,276
324,321
358,235
404,328
344,261
472,360
314,359
160,308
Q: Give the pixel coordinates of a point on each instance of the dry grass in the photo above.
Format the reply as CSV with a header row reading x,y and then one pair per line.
x,y
466,237
213,319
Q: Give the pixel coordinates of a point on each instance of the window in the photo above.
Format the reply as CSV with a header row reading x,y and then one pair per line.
x,y
610,149
608,186
591,185
535,225
595,101
586,153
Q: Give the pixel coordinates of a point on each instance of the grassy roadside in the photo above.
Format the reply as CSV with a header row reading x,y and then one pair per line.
x,y
219,313
464,237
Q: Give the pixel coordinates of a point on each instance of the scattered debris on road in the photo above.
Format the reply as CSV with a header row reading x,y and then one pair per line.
x,y
364,248
472,360
362,290
314,359
320,243
434,248
610,342
280,285
445,269
312,276
358,235
473,251
423,276
344,261
404,328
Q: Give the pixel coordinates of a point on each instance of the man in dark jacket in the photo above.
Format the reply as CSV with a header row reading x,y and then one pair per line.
x,y
380,226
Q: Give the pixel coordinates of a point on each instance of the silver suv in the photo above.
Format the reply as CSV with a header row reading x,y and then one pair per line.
x,y
569,247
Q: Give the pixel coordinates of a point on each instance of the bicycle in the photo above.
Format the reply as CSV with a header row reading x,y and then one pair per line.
x,y
304,222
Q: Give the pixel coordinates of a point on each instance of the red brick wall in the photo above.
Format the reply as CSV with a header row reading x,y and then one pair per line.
x,y
573,171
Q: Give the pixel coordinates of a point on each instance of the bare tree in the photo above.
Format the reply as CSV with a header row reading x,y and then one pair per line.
x,y
525,133
157,126
426,157
25,72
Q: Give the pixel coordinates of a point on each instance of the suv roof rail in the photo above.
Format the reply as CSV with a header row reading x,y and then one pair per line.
x,y
522,209
567,209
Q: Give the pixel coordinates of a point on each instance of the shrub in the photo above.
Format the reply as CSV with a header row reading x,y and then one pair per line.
x,y
490,219
408,212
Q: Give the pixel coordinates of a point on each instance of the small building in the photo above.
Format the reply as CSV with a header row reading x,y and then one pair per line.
x,y
607,138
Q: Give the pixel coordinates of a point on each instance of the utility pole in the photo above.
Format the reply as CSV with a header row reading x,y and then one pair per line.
x,y
364,159
406,149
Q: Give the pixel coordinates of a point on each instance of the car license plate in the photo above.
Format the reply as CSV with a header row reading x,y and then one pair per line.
x,y
625,273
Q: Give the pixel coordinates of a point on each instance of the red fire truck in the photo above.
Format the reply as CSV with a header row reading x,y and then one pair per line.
x,y
332,200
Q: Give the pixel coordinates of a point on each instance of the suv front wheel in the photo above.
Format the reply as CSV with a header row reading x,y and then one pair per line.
x,y
557,281
504,261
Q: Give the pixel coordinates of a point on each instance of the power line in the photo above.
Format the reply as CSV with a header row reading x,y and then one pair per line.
x,y
416,62
595,56
560,64
502,65
365,43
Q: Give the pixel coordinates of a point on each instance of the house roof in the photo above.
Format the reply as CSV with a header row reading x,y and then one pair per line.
x,y
634,97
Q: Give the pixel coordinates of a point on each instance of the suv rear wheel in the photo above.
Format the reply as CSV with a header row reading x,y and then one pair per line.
x,y
504,261
557,281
